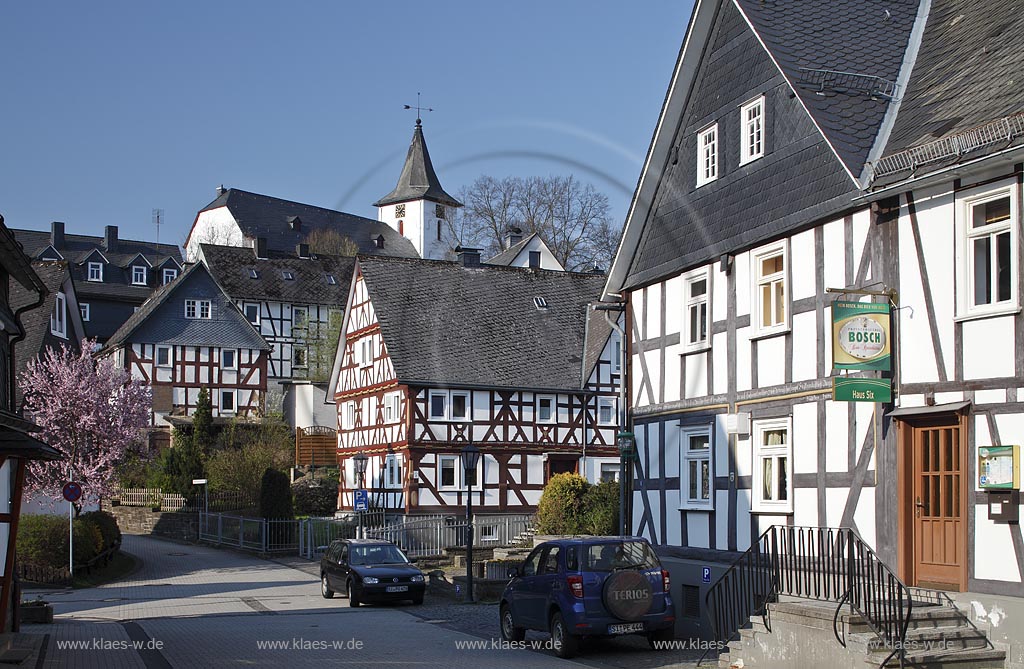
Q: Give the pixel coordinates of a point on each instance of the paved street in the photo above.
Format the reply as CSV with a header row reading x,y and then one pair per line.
x,y
192,606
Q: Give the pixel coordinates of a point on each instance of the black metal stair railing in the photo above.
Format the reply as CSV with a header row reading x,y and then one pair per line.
x,y
817,563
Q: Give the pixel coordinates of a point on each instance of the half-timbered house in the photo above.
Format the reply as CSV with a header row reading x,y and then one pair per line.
x,y
190,335
113,276
17,443
435,355
808,152
295,300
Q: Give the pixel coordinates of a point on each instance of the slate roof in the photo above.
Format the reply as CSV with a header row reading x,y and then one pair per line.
x,y
265,216
446,324
15,260
36,322
227,327
77,248
508,256
850,36
967,72
231,265
418,181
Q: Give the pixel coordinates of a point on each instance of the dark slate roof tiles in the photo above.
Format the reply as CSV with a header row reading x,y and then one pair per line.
x,y
418,181
447,324
231,267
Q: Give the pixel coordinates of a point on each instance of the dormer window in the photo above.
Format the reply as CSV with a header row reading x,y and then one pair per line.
x,y
58,319
170,275
400,211
288,276
95,271
138,275
752,130
540,303
707,155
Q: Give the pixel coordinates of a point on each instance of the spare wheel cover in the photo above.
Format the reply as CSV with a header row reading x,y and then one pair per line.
x,y
628,594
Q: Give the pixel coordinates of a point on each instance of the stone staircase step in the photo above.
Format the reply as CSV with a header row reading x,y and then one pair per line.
x,y
970,658
948,639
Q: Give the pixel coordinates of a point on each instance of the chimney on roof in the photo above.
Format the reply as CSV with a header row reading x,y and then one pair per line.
x,y
57,234
596,269
468,257
261,247
302,250
513,236
221,190
110,238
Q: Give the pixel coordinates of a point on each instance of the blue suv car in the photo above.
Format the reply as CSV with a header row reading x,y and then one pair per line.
x,y
585,587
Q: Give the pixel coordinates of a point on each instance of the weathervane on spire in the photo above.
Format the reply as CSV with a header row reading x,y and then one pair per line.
x,y
418,108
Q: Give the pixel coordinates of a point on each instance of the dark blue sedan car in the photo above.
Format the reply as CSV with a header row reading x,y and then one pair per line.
x,y
585,587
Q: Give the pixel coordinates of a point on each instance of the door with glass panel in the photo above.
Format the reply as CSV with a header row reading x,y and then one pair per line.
x,y
938,495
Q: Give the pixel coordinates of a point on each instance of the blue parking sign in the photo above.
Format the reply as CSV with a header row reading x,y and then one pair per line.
x,y
705,574
362,500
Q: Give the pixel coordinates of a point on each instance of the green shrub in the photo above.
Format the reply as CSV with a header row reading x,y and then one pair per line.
x,y
601,508
43,541
275,496
561,509
106,524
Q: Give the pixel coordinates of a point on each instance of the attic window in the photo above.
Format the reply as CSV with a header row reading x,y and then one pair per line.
x,y
540,303
331,281
288,276
253,274
295,223
378,241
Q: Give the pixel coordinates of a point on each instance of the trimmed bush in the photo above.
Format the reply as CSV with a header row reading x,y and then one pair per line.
x,y
275,496
43,541
601,508
106,524
315,498
561,509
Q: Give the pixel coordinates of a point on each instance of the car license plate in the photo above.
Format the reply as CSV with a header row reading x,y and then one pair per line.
x,y
398,588
626,628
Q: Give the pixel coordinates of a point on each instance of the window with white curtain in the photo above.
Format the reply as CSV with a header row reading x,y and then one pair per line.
x,y
773,457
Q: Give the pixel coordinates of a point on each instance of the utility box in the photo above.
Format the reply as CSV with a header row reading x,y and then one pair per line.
x,y
1004,507
999,467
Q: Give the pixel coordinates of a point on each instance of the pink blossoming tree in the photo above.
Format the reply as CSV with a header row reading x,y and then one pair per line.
x,y
90,410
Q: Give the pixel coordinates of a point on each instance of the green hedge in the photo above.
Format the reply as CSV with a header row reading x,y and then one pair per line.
x,y
43,541
106,524
571,505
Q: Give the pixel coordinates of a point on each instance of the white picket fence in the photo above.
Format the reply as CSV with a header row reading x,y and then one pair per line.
x,y
221,501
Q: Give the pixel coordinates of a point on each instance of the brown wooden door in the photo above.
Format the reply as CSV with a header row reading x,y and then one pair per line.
x,y
938,495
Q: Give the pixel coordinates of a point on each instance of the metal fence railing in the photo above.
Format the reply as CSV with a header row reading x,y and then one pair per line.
x,y
433,535
256,534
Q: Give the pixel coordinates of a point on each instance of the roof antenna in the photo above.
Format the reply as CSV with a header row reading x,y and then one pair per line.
x,y
418,109
158,220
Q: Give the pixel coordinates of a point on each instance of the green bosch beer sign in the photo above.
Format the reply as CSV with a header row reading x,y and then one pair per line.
x,y
861,390
860,336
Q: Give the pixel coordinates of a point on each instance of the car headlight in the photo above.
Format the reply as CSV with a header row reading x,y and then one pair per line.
x,y
417,578
370,579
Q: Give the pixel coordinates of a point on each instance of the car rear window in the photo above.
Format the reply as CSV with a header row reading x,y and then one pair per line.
x,y
620,555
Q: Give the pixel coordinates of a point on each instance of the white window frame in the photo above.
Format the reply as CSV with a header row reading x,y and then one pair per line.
x,y
234,357
296,310
59,316
197,308
136,280
443,394
688,456
615,468
169,274
228,392
760,450
85,310
691,340
95,270
364,351
392,403
245,307
616,341
300,351
966,234
348,415
466,417
554,409
170,357
456,475
707,155
752,130
393,471
758,281
609,403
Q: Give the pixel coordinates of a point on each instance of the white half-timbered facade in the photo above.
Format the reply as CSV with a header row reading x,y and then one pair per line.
x,y
189,336
774,187
422,372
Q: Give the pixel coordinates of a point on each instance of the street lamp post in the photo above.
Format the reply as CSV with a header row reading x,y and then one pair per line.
x,y
470,458
359,461
625,443
205,519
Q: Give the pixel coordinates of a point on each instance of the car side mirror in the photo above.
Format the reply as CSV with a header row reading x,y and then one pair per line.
x,y
412,560
513,572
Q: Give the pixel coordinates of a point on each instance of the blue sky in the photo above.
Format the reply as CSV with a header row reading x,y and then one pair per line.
x,y
111,110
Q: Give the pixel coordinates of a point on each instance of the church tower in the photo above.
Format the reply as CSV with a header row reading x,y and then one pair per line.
x,y
418,207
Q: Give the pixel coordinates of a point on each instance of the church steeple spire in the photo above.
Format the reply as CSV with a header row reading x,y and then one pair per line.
x,y
418,180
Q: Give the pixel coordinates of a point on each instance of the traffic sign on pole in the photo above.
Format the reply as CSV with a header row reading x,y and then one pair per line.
x,y
72,491
361,500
